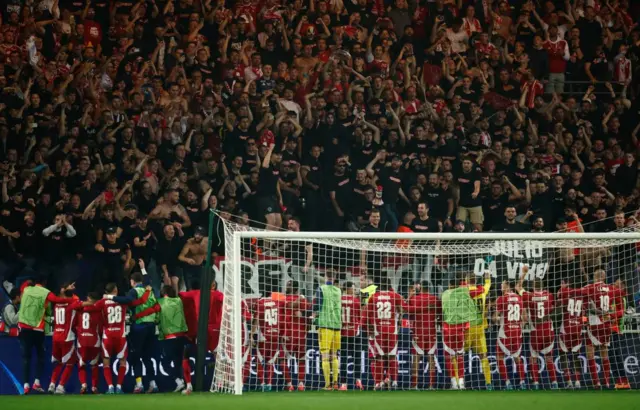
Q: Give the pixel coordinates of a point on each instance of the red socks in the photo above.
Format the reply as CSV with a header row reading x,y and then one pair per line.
x,y
108,377
534,369
606,369
448,364
66,374
121,371
593,369
393,369
551,368
521,373
302,369
186,370
287,374
432,375
377,370
502,368
246,371
82,375
56,373
460,366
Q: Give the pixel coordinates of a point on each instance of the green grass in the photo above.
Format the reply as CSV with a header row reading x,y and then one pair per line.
x,y
446,400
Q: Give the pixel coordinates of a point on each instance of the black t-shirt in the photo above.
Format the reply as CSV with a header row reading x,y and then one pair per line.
x,y
466,182
391,182
143,252
268,181
438,201
429,225
341,185
493,209
514,227
113,251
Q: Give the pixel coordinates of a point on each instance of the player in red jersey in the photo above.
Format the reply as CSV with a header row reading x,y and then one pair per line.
x,y
601,297
215,317
510,311
571,301
539,305
88,326
267,329
425,310
294,324
114,342
191,306
63,347
351,336
382,313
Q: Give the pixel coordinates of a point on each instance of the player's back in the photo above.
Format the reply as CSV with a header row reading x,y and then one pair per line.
x,y
539,305
293,315
215,309
510,308
191,305
601,297
351,315
113,319
268,316
424,309
383,309
572,301
88,326
64,316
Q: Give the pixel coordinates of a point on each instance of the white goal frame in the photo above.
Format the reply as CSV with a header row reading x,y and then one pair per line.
x,y
351,239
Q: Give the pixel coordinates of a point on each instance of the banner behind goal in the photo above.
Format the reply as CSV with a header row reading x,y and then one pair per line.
x,y
306,311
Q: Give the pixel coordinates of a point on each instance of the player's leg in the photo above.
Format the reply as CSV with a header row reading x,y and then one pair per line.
x,y
108,375
417,358
302,371
135,340
432,371
521,372
26,347
593,367
56,362
69,361
480,347
450,361
325,346
288,359
149,339
122,363
186,366
502,369
392,360
346,348
82,368
606,364
335,363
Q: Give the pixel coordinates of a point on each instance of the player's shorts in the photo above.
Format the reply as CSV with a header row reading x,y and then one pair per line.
x,y
114,348
570,338
62,352
475,340
268,205
294,347
424,344
268,350
453,338
510,346
213,338
88,355
599,335
329,340
541,340
383,344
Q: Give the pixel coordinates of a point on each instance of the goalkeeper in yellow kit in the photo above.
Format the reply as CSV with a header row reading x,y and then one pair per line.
x,y
475,338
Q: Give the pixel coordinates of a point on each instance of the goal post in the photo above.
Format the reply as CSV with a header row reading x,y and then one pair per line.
x,y
518,338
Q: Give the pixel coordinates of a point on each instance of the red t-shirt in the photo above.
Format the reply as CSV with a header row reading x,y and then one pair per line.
x,y
215,310
294,320
425,309
64,315
268,316
509,307
351,316
383,311
88,326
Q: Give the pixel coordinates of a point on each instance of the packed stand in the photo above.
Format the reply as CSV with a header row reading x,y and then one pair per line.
x,y
122,124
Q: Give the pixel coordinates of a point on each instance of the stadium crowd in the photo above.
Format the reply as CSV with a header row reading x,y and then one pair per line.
x,y
124,123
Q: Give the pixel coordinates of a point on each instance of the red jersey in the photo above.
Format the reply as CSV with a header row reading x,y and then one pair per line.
x,y
383,311
215,310
601,298
558,55
509,307
268,316
572,302
294,318
425,309
88,327
351,316
64,316
113,318
191,305
539,305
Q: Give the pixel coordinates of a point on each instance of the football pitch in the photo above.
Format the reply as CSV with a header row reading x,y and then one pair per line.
x,y
469,400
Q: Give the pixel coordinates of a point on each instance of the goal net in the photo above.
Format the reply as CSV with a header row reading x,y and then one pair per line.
x,y
307,311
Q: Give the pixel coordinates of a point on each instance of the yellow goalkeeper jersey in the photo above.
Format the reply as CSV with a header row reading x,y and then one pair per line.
x,y
481,305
